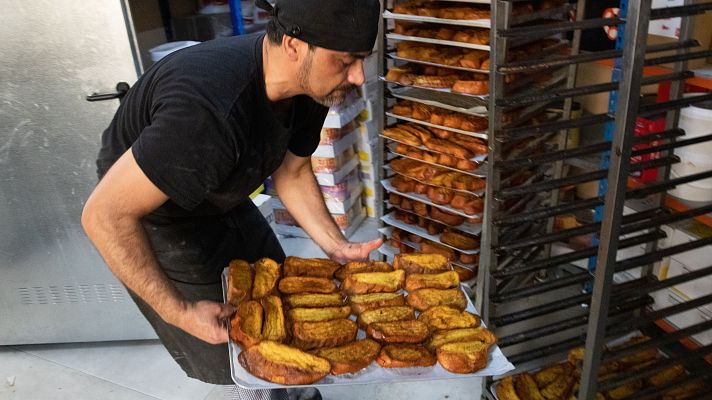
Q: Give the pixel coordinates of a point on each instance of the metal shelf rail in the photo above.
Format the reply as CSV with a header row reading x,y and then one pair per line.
x,y
539,304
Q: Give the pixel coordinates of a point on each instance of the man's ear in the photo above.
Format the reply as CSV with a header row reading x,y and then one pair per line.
x,y
292,47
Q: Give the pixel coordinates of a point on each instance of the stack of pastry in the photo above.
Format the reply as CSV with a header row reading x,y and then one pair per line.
x,y
440,116
561,381
435,10
439,78
436,176
451,56
467,203
441,141
478,36
294,325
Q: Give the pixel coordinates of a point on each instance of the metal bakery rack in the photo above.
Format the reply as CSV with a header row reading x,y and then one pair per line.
x,y
539,304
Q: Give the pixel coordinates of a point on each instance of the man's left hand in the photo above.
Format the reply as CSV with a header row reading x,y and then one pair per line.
x,y
354,251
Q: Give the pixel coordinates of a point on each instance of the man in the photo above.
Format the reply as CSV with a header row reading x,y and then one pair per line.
x,y
199,132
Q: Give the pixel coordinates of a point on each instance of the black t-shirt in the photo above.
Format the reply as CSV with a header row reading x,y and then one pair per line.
x,y
201,128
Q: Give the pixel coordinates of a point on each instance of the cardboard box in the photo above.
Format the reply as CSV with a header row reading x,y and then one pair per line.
x,y
337,147
333,178
331,164
339,116
347,222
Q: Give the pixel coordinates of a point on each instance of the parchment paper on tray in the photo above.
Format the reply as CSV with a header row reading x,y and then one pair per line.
x,y
497,365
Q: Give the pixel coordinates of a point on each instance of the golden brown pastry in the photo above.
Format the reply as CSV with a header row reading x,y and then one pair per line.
x,y
310,335
373,282
239,282
385,314
419,263
440,318
459,240
404,356
422,299
246,324
310,300
274,326
351,357
404,331
306,284
283,364
363,266
526,387
505,389
316,267
443,280
478,334
319,314
448,147
267,273
471,87
463,357
364,302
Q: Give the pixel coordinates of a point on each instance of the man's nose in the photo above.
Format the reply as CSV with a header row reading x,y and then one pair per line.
x,y
356,76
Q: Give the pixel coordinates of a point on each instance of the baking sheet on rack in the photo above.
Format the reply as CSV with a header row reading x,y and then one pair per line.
x,y
398,36
473,23
481,97
477,159
479,135
474,229
397,57
424,199
497,365
414,229
480,172
447,101
478,193
612,343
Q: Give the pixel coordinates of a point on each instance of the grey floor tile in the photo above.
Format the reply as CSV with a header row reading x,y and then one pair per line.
x,y
455,389
27,377
143,366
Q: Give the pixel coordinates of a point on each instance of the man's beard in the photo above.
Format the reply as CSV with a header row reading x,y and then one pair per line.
x,y
336,96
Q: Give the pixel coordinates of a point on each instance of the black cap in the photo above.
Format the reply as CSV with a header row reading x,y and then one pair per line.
x,y
341,25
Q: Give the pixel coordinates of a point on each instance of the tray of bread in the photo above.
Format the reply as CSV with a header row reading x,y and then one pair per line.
x,y
440,79
561,380
462,204
442,56
314,322
436,176
432,214
458,16
459,146
459,241
424,245
435,159
440,118
448,101
477,45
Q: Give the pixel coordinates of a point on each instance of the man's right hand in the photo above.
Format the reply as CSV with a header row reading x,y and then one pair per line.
x,y
204,320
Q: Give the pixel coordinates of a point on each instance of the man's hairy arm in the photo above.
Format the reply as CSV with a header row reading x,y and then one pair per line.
x,y
298,190
112,221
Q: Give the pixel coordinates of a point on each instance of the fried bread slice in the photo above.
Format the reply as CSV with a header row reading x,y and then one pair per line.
x,y
364,302
385,314
310,335
560,388
283,364
404,356
267,273
351,357
422,299
246,324
505,389
310,300
274,327
421,263
306,284
443,280
549,374
479,334
319,314
463,357
666,375
315,267
526,387
355,267
239,282
443,317
373,282
409,331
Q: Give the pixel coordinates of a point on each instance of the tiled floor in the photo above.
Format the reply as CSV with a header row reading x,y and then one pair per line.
x,y
143,370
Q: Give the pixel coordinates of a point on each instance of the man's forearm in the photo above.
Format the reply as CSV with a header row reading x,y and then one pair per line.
x,y
123,244
304,201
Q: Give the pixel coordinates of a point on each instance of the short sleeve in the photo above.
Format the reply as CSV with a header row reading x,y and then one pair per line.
x,y
305,137
186,151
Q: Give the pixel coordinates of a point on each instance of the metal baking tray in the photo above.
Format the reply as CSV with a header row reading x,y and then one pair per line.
x,y
481,97
474,229
390,251
395,56
398,36
480,135
424,199
476,159
480,172
416,230
448,101
473,23
477,193
497,365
